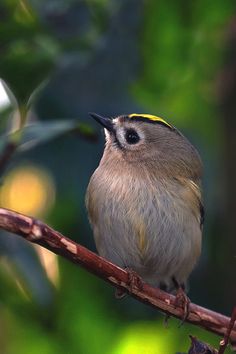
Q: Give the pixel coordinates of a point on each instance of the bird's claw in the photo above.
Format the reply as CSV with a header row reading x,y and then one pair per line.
x,y
182,300
134,282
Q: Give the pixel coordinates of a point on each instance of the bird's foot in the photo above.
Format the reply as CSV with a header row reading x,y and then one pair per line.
x,y
134,282
120,294
182,300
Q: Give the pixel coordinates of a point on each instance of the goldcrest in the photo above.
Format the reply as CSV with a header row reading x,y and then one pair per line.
x,y
144,199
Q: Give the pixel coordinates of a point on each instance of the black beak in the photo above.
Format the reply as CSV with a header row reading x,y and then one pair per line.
x,y
105,122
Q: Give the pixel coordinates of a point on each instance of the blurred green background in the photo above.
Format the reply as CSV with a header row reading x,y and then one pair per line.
x,y
61,59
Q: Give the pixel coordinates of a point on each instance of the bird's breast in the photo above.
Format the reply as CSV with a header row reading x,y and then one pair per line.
x,y
142,222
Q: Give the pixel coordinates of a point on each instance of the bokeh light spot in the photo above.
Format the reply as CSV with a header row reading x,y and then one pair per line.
x,y
145,338
29,190
49,262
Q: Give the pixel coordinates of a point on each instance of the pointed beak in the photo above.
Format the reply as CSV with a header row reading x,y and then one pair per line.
x,y
105,122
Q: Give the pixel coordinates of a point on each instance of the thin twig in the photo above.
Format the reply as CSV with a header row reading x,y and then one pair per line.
x,y
225,341
37,232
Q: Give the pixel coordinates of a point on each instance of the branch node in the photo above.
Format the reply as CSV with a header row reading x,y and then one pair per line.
x,y
35,233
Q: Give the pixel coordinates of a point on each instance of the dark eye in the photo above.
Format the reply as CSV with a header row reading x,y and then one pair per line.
x,y
132,136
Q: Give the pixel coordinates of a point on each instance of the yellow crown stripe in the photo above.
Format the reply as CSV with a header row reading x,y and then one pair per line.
x,y
150,117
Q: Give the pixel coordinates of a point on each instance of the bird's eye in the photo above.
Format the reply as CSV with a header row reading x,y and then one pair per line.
x,y
132,136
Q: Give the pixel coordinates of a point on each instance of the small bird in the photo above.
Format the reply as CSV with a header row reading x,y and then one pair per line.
x,y
144,200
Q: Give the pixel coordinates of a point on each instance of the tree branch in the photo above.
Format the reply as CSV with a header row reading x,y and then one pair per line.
x,y
37,232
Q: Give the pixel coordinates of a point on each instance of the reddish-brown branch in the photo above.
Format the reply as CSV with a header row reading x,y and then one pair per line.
x,y
37,232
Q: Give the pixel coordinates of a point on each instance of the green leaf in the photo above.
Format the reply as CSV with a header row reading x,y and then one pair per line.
x,y
10,95
42,132
36,93
26,52
8,105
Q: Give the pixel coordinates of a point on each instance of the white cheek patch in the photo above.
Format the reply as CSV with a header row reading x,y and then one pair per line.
x,y
107,135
